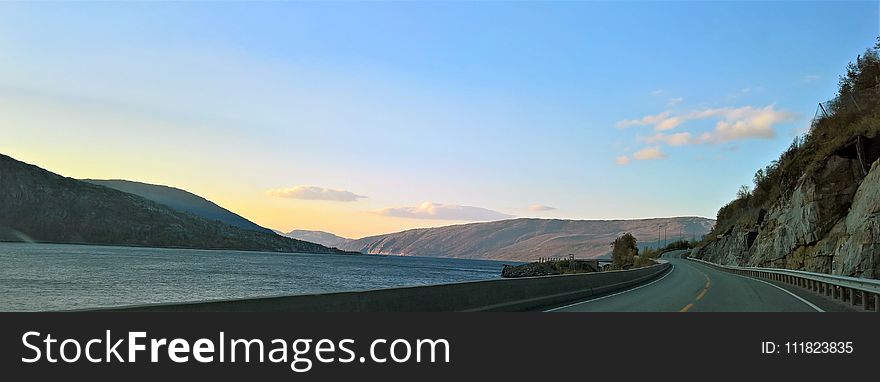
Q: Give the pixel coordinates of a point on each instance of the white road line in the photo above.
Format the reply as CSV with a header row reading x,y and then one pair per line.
x,y
810,304
615,294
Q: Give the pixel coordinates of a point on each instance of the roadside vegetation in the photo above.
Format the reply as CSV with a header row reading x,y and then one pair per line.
x,y
624,252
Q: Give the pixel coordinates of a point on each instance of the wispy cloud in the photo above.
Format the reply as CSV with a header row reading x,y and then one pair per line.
x,y
744,122
540,208
644,121
649,153
674,101
734,123
315,193
439,211
677,139
657,91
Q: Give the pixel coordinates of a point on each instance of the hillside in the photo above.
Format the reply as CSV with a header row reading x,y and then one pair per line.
x,y
320,237
526,239
38,205
816,208
180,200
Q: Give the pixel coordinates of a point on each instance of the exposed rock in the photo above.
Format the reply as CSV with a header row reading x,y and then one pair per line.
x,y
830,224
528,270
551,268
858,248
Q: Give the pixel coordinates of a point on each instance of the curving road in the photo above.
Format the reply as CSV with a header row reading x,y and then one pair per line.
x,y
694,287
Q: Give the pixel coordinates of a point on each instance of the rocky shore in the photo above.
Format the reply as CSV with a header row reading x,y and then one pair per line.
x,y
549,268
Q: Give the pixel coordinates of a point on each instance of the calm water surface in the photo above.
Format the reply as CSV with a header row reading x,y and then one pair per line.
x,y
36,277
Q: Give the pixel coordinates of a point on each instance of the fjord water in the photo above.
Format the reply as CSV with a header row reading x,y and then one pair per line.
x,y
38,277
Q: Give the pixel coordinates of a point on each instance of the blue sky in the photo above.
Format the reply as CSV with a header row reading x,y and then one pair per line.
x,y
429,113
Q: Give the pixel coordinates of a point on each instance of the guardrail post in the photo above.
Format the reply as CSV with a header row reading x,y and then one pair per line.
x,y
853,295
877,303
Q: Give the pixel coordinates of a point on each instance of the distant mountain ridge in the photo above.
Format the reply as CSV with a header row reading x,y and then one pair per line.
x,y
320,237
180,200
38,205
527,239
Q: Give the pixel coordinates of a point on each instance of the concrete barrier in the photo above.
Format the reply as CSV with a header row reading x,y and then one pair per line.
x,y
491,295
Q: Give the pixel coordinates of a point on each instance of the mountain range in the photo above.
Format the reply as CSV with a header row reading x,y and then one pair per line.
x,y
320,237
180,200
528,239
38,205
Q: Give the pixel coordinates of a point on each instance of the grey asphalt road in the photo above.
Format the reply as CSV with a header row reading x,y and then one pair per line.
x,y
694,287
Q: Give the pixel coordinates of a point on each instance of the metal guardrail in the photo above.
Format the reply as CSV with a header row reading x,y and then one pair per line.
x,y
855,291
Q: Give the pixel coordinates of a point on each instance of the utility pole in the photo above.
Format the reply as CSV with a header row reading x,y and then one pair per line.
x,y
658,236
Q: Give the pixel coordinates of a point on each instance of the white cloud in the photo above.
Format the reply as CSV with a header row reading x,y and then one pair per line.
x,y
622,160
734,124
439,211
745,122
315,193
811,77
677,139
644,121
649,153
674,101
541,207
661,122
657,92
668,124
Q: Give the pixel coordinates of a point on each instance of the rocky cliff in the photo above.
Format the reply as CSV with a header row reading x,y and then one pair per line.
x,y
816,208
830,223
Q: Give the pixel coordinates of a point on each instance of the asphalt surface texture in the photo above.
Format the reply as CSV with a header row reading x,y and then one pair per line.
x,y
691,286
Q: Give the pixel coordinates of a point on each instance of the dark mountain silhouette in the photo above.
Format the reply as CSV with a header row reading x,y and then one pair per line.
x,y
180,200
38,205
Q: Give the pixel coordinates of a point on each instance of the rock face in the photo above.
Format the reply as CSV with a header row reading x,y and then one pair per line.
x,y
830,223
38,205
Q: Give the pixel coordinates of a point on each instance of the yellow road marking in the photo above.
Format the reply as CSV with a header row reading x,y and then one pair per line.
x,y
700,295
